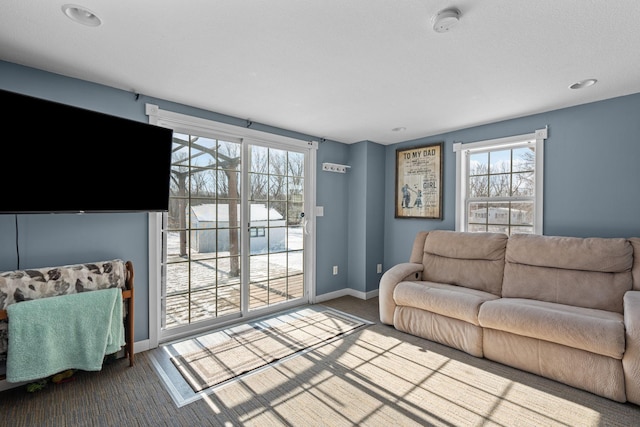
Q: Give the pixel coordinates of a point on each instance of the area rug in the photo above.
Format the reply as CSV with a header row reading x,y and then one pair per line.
x,y
215,358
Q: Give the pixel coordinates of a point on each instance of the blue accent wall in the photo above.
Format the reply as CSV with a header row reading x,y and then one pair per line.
x,y
365,215
50,240
375,214
591,173
47,240
332,191
591,189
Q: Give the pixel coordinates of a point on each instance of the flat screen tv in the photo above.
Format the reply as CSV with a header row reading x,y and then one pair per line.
x,y
58,158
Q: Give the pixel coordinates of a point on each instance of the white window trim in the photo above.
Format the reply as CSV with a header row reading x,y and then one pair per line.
x,y
460,149
184,123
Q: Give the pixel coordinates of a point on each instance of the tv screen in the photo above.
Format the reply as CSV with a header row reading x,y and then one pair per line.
x,y
58,158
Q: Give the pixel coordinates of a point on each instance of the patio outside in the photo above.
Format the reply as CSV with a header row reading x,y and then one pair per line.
x,y
275,278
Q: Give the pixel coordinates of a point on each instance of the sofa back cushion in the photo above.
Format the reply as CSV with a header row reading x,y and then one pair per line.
x,y
472,260
417,252
584,272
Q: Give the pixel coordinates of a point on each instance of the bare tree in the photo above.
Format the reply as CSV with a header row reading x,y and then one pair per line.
x,y
479,180
511,178
275,176
259,174
523,167
203,181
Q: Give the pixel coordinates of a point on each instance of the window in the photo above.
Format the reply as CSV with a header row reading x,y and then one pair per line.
x,y
257,232
499,184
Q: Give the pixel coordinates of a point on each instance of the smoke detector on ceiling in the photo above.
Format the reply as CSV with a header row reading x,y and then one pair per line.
x,y
445,20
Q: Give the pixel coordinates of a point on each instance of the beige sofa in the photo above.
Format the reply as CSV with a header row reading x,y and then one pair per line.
x,y
565,308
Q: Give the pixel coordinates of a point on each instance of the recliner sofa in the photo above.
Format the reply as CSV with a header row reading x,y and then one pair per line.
x,y
565,308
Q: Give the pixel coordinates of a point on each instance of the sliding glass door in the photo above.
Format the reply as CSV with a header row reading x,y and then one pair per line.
x,y
276,226
234,239
202,233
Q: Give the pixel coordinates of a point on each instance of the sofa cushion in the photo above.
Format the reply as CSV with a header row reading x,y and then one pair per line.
x,y
585,272
453,301
442,329
607,255
593,372
472,260
417,251
597,331
635,243
631,359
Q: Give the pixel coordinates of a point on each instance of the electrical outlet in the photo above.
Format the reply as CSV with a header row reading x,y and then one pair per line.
x,y
335,270
379,268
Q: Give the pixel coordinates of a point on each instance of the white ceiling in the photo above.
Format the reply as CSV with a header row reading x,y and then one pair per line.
x,y
343,70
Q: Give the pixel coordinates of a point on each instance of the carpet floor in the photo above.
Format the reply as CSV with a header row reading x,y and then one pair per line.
x,y
375,376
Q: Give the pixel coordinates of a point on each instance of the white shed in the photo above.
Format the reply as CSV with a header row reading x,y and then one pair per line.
x,y
210,228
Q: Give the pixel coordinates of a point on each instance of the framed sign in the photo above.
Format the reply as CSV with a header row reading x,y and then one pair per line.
x,y
419,182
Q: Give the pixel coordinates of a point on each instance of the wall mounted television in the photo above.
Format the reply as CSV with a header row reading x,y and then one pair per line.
x,y
57,158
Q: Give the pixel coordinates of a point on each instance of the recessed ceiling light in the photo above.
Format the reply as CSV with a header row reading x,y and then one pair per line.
x,y
583,83
399,129
81,15
445,20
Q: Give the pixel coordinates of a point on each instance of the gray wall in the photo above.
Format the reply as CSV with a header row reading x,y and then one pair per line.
x,y
365,215
331,230
49,240
591,189
591,173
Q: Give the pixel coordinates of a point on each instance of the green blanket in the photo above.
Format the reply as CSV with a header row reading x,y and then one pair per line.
x,y
50,335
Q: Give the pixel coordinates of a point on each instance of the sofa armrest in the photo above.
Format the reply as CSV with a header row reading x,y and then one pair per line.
x,y
631,358
396,274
